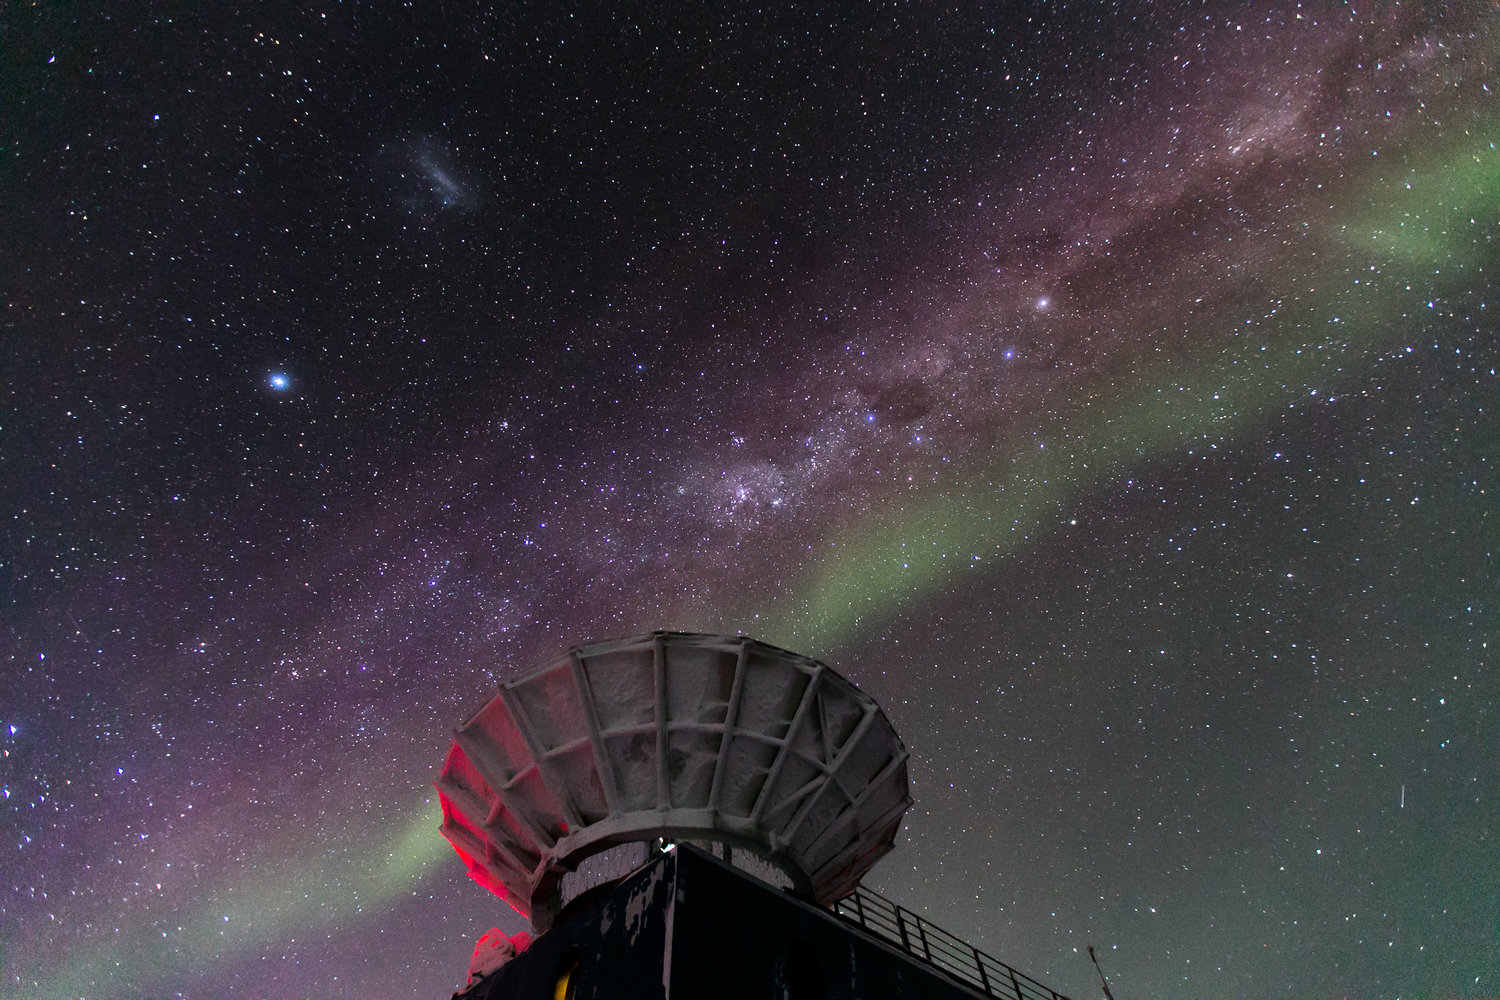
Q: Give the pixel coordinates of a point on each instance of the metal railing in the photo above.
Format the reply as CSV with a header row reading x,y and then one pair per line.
x,y
938,948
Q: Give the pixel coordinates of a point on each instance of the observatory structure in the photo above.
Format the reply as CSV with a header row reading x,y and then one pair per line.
x,y
692,814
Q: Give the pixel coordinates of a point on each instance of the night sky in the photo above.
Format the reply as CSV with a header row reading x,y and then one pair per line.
x,y
1109,389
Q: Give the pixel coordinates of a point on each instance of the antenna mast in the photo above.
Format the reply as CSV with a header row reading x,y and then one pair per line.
x,y
1108,995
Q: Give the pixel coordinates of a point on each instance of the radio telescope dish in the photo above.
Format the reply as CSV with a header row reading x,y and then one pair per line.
x,y
679,736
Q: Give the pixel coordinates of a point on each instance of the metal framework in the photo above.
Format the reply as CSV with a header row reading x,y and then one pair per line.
x,y
675,735
935,946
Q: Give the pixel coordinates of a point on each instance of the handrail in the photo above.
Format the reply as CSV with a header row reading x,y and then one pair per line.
x,y
938,948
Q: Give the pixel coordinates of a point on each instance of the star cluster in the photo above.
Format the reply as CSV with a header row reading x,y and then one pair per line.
x,y
1109,390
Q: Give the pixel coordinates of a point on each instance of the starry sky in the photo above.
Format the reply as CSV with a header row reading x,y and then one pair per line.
x,y
1107,388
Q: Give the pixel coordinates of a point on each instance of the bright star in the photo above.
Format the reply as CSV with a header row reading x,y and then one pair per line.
x,y
279,381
